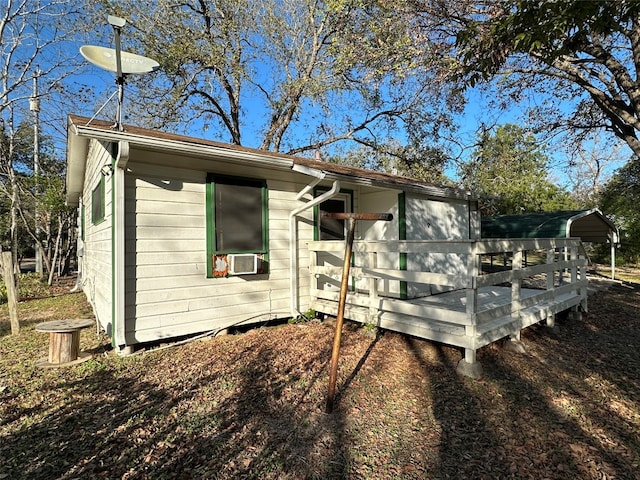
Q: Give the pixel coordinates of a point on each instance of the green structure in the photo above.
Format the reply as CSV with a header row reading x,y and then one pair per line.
x,y
588,225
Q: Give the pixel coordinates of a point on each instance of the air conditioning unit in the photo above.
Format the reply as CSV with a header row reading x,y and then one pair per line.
x,y
243,263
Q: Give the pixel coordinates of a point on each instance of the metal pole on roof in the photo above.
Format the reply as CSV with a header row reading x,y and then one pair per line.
x,y
335,354
117,23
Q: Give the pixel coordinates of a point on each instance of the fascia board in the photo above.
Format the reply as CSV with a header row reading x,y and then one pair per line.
x,y
77,148
205,151
421,189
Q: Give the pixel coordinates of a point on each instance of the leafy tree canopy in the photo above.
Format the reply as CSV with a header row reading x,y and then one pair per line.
x,y
620,199
508,172
586,53
305,75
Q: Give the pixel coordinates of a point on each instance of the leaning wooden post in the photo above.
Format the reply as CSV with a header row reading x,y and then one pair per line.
x,y
344,285
12,296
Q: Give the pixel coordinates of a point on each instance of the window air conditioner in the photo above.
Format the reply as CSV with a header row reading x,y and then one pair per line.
x,y
243,264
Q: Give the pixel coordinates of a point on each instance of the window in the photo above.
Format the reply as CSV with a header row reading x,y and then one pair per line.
x,y
97,202
237,217
331,228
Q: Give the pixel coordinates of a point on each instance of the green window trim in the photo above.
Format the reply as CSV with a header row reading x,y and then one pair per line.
x,y
402,235
213,218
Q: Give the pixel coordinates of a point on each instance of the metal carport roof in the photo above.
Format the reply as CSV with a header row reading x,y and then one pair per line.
x,y
588,225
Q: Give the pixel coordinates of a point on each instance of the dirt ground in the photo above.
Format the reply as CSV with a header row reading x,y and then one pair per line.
x,y
252,405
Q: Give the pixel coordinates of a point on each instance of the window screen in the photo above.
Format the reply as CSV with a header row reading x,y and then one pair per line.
x,y
238,216
237,222
97,202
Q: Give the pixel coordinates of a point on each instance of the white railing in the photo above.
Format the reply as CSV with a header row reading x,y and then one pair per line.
x,y
560,272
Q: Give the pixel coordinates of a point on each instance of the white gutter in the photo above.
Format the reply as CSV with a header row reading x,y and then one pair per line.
x,y
118,234
293,231
182,146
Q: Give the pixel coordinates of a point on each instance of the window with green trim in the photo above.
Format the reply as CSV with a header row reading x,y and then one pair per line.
x,y
237,216
330,228
97,202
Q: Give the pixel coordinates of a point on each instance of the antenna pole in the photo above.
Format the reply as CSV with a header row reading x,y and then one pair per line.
x,y
117,23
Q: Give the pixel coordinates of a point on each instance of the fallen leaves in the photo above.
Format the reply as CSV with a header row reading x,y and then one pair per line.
x,y
252,406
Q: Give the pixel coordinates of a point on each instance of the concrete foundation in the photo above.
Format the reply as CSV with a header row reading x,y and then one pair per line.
x,y
472,370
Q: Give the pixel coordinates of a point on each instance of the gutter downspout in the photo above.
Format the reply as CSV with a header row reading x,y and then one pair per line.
x,y
118,236
293,232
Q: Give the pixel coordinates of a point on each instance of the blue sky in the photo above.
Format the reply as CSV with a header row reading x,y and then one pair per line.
x,y
101,84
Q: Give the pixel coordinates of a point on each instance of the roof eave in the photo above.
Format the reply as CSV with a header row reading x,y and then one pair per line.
x,y
77,147
182,147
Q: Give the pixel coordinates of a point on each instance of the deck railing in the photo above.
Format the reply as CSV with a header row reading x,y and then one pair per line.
x,y
557,272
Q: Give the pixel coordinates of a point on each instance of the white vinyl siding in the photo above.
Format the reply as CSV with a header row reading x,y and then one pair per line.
x,y
429,219
168,292
97,258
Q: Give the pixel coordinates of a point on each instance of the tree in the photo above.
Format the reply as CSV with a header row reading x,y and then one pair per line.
x,y
32,36
579,59
508,173
423,163
590,167
291,75
620,199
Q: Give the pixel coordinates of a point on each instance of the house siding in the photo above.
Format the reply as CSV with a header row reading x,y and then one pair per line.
x,y
167,289
383,201
430,219
97,259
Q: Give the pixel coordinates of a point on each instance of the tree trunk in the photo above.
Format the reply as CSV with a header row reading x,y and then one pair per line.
x,y
55,252
12,296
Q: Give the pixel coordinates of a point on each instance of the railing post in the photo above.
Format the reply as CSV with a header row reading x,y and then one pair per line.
x,y
472,290
574,268
578,273
468,365
551,271
313,265
551,279
584,293
516,284
372,258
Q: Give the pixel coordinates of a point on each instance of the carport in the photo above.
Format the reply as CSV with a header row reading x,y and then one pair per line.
x,y
588,225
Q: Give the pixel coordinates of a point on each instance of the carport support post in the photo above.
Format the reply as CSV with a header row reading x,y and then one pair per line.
x,y
344,285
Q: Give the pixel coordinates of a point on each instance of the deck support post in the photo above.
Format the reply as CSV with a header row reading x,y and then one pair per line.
x,y
516,288
374,301
551,321
469,366
514,344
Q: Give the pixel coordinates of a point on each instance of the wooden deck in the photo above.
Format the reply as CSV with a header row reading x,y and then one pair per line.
x,y
479,308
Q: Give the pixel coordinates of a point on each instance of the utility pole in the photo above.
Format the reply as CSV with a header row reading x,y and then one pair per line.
x,y
34,106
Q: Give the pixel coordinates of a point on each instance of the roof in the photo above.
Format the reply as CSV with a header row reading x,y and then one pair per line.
x,y
81,130
588,225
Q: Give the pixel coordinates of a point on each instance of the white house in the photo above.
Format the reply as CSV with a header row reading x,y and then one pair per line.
x,y
182,235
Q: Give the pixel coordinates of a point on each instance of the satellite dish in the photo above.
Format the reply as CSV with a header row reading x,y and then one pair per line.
x,y
119,62
105,58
